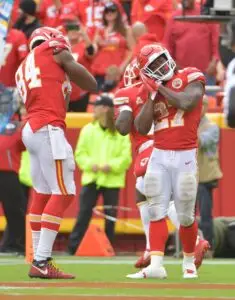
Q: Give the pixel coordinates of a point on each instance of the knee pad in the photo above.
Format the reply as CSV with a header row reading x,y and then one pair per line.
x,y
187,186
187,192
152,184
153,188
186,220
156,211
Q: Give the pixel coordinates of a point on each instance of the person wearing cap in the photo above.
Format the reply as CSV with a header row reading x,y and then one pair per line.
x,y
114,43
103,156
28,21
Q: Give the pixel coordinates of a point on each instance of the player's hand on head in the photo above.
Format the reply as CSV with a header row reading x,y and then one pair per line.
x,y
150,84
59,44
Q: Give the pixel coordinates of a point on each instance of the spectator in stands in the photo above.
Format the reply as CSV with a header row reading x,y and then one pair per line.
x,y
154,14
82,50
104,156
114,42
193,44
142,37
209,171
12,197
28,21
48,12
91,13
15,51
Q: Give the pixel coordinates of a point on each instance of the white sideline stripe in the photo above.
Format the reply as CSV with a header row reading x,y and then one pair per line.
x,y
19,288
121,295
99,261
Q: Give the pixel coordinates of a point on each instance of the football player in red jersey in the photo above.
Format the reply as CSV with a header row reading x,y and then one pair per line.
x,y
43,81
91,13
173,104
128,103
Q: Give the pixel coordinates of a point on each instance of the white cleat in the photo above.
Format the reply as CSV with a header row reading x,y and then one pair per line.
x,y
149,272
189,271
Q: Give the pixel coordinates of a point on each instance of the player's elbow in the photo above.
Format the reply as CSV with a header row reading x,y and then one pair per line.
x,y
92,86
188,106
141,127
123,131
122,128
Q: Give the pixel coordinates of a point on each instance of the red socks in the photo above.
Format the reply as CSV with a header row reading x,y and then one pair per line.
x,y
158,233
188,237
54,210
37,206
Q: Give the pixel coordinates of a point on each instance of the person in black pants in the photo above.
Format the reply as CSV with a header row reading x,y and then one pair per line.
x,y
88,200
104,156
12,197
209,171
14,205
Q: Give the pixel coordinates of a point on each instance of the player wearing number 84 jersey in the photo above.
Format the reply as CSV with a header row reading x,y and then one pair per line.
x,y
43,81
174,104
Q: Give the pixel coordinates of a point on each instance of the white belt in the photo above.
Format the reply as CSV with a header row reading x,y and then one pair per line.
x,y
145,145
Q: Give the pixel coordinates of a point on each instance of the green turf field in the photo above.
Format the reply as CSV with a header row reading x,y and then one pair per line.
x,y
106,277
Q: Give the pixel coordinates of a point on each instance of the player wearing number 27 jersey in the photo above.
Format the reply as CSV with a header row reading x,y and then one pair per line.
x,y
176,129
43,82
174,103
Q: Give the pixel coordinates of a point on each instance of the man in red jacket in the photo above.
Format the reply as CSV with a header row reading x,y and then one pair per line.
x,y
193,44
143,37
154,14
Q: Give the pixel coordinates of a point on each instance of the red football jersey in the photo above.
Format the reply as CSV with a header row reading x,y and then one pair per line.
x,y
50,16
111,51
175,129
14,52
44,86
91,12
154,14
78,52
128,99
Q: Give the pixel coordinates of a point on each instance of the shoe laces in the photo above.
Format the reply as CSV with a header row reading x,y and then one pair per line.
x,y
54,266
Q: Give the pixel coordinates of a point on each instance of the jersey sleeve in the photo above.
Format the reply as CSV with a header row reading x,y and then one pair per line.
x,y
122,101
193,75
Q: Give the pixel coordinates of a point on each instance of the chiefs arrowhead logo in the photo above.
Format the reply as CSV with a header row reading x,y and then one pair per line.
x,y
177,83
144,161
139,101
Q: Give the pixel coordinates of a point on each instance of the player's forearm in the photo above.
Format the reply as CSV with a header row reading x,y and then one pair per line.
x,y
181,100
122,126
144,120
84,79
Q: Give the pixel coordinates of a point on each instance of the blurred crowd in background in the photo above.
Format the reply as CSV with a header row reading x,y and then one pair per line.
x,y
105,36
